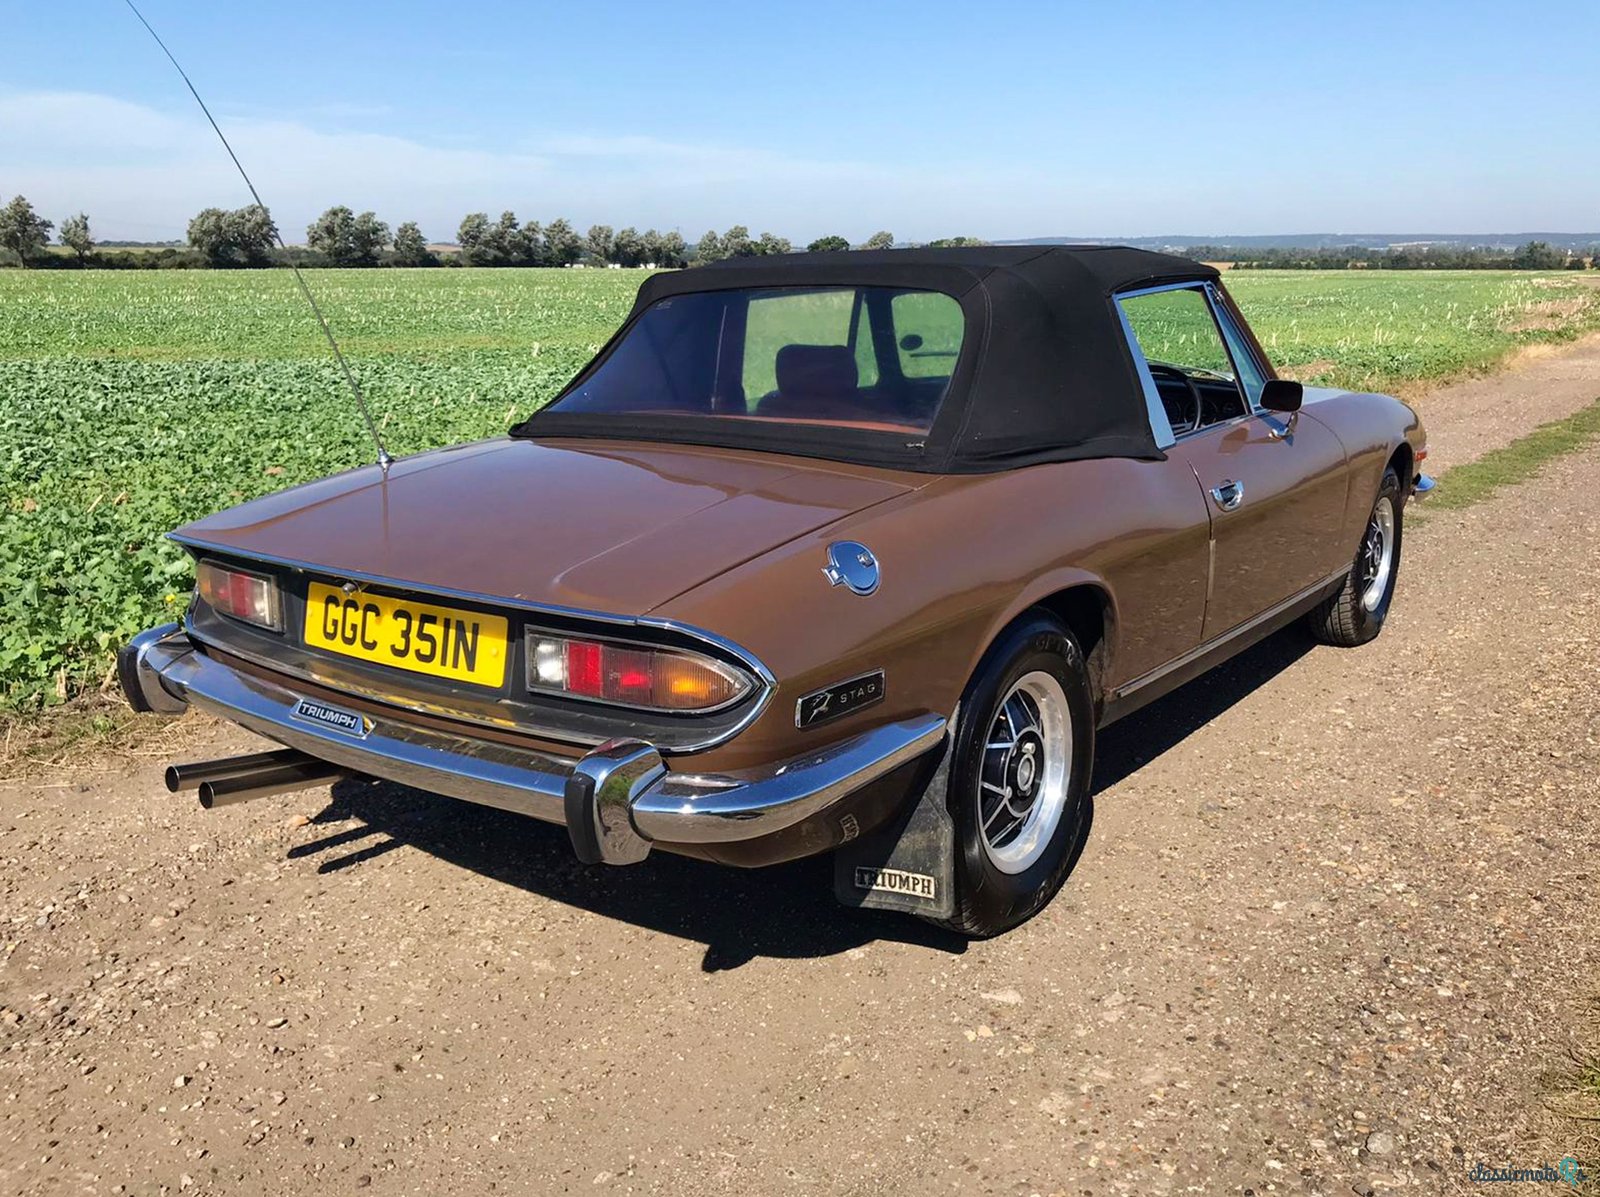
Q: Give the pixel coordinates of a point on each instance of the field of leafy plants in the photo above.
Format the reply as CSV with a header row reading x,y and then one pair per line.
x,y
131,402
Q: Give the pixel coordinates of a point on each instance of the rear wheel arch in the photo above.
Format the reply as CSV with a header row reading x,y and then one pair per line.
x,y
1085,608
1087,611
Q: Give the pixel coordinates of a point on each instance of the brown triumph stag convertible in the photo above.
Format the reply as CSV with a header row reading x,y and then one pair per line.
x,y
845,552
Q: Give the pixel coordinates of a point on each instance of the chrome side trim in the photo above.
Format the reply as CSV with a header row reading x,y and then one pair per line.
x,y
662,806
1242,629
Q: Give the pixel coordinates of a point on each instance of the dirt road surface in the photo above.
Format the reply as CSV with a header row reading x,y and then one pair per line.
x,y
1467,419
1326,935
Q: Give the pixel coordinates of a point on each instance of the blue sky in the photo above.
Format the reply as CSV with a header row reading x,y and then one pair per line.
x,y
998,120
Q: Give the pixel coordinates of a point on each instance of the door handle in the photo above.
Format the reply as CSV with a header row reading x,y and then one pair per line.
x,y
1228,496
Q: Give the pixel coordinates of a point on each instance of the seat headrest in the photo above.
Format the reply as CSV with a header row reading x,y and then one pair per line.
x,y
816,370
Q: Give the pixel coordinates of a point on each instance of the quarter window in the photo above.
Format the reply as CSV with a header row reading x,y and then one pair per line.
x,y
928,328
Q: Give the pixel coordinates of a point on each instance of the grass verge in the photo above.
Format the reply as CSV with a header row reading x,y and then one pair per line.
x,y
1473,481
89,726
1572,1102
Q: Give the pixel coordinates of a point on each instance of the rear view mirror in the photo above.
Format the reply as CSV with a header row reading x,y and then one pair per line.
x,y
1282,394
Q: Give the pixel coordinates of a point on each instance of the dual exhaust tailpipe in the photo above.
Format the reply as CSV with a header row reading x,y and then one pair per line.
x,y
254,775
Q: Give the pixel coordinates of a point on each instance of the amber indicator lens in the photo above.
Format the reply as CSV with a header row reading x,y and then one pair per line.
x,y
245,596
631,675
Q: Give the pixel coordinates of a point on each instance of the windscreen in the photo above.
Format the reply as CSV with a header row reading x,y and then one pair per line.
x,y
858,357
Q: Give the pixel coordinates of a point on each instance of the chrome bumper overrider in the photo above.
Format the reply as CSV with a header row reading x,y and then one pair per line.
x,y
616,800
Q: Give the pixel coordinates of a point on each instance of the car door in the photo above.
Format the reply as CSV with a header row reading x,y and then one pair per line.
x,y
1275,486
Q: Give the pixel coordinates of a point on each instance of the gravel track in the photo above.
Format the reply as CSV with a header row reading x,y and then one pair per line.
x,y
1331,926
1467,419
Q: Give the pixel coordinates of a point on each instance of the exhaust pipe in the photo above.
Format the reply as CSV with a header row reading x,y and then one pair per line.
x,y
254,775
190,776
306,775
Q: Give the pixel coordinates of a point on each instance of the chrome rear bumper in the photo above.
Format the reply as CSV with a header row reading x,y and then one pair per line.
x,y
616,801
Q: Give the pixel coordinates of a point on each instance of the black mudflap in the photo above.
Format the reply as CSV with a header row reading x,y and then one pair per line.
x,y
908,864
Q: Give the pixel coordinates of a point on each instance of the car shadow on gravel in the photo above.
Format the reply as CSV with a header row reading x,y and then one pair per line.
x,y
1133,742
786,911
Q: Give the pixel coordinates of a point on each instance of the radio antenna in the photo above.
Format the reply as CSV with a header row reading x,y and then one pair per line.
x,y
384,460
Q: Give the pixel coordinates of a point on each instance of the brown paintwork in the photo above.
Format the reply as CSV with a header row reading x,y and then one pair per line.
x,y
1286,534
734,542
602,526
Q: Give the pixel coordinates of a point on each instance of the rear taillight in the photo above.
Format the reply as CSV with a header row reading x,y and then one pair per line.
x,y
240,594
632,675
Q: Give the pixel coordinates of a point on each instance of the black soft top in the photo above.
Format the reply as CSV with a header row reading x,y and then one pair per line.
x,y
1045,373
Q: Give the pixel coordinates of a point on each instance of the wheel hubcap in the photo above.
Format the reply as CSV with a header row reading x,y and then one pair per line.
x,y
1026,769
1377,554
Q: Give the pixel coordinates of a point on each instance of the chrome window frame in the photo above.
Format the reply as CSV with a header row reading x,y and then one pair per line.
x,y
1237,344
1156,411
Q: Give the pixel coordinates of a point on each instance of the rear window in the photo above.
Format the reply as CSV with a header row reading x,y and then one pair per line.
x,y
864,357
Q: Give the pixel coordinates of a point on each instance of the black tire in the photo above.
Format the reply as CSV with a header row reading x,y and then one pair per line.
x,y
988,899
1343,619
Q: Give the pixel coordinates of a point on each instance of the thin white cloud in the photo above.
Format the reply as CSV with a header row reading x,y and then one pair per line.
x,y
141,172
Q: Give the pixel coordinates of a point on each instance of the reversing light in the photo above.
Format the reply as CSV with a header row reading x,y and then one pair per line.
x,y
251,598
657,679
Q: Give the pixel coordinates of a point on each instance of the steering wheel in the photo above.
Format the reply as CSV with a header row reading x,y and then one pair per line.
x,y
1194,394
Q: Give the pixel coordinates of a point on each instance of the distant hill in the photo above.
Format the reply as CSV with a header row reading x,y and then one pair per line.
x,y
1179,242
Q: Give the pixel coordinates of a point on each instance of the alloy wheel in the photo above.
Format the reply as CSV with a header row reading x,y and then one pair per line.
x,y
1027,763
1377,553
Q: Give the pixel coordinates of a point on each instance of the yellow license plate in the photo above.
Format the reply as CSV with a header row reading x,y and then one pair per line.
x,y
468,646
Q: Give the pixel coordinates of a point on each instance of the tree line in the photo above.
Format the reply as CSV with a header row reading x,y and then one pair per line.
x,y
1532,255
247,237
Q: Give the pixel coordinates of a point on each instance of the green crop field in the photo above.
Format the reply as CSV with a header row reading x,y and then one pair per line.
x,y
131,402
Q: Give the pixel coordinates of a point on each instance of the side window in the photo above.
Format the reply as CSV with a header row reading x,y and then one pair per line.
x,y
1186,356
784,318
928,327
